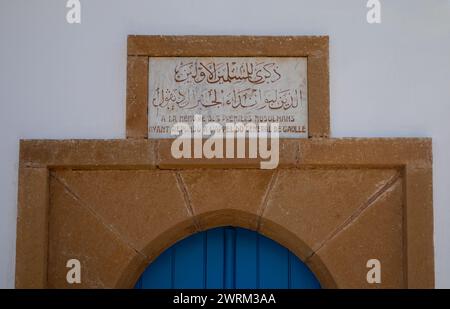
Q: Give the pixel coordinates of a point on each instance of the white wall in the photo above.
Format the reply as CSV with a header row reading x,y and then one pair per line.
x,y
68,81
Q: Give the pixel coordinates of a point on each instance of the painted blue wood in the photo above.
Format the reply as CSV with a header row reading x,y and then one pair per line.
x,y
188,265
301,277
273,265
246,267
161,268
227,257
215,257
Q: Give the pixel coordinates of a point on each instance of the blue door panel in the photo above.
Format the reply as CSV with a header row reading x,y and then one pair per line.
x,y
161,268
227,257
215,258
229,243
188,263
246,257
273,265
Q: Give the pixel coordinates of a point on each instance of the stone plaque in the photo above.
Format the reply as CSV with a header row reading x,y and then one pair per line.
x,y
225,89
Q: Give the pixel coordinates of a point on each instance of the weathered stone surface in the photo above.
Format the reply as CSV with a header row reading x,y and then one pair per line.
x,y
129,154
140,205
226,197
137,92
312,203
143,153
369,152
419,231
335,194
75,232
375,234
32,223
231,46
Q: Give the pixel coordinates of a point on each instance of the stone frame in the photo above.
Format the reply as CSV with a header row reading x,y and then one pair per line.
x,y
411,157
140,48
41,161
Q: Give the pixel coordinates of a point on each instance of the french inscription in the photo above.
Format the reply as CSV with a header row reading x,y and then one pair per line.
x,y
226,89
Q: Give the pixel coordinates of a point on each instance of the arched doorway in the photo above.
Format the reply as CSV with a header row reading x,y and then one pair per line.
x,y
227,257
116,204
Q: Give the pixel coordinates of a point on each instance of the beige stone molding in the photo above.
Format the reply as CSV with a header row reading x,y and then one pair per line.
x,y
117,204
315,48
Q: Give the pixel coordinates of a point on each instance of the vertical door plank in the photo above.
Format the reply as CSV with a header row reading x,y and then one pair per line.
x,y
273,265
215,258
229,255
246,259
189,262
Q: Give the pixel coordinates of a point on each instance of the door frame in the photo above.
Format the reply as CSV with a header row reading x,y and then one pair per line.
x,y
41,160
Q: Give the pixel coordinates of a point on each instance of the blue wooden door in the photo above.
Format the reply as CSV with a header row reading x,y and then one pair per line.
x,y
227,257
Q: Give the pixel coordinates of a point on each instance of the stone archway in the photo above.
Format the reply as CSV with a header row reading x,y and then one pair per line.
x,y
115,205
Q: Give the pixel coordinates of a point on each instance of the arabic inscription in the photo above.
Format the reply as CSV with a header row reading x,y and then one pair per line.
x,y
225,89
